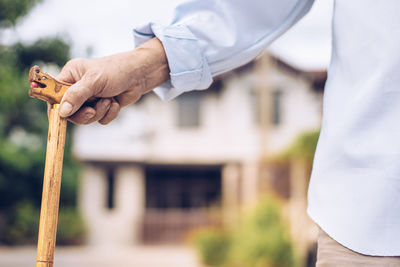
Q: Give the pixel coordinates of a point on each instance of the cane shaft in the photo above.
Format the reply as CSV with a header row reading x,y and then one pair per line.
x,y
51,188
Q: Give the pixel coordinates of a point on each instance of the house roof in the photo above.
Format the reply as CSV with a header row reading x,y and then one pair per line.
x,y
317,78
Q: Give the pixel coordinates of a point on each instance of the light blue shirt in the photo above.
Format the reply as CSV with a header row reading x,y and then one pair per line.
x,y
210,37
354,191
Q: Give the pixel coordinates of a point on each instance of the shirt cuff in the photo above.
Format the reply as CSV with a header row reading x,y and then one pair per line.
x,y
189,69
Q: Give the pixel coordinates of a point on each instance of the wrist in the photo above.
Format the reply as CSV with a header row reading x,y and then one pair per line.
x,y
151,65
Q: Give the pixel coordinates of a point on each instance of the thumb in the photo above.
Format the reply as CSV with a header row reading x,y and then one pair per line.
x,y
75,96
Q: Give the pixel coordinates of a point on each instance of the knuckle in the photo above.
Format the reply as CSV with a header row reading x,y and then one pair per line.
x,y
95,79
111,115
72,70
74,62
71,65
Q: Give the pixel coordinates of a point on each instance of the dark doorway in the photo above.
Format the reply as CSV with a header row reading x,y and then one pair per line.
x,y
178,199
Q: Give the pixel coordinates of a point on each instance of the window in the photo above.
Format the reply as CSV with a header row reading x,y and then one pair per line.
x,y
255,104
267,106
110,180
276,107
189,110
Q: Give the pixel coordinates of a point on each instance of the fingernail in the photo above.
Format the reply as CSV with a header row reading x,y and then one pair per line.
x,y
65,109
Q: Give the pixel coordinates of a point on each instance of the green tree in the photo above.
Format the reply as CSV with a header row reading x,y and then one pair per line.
x,y
13,10
303,147
23,130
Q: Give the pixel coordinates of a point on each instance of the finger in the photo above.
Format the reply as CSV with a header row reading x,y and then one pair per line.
x,y
111,114
127,98
71,72
83,115
102,106
66,76
76,95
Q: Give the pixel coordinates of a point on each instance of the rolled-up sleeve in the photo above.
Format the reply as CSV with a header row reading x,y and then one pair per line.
x,y
210,37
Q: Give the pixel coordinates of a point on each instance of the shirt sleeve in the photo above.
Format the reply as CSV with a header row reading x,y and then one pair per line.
x,y
210,37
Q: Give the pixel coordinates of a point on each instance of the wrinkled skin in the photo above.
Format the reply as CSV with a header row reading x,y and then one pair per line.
x,y
115,81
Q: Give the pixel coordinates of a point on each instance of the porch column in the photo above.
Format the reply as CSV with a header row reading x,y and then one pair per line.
x,y
130,202
91,199
118,225
230,193
249,184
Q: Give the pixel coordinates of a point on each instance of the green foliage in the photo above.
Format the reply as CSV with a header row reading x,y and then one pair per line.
x,y
260,240
22,224
303,147
12,10
213,246
71,227
23,134
69,183
52,50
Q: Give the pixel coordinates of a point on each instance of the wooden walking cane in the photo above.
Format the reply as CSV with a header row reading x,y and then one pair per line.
x,y
49,89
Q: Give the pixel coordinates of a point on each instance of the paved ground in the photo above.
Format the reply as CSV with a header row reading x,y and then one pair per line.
x,y
160,256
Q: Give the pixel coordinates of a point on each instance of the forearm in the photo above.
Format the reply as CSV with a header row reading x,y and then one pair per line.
x,y
150,66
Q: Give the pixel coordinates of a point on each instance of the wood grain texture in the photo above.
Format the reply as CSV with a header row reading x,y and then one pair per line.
x,y
51,188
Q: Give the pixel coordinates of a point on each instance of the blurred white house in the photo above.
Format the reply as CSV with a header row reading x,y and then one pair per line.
x,y
162,168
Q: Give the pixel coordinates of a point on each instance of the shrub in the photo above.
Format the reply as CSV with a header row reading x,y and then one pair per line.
x,y
212,245
71,227
22,225
260,239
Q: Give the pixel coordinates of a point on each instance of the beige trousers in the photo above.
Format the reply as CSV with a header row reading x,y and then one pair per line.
x,y
332,254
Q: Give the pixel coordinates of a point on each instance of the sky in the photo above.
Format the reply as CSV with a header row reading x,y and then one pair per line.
x,y
103,27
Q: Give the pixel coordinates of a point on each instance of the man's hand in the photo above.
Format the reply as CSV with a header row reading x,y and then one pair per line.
x,y
114,81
